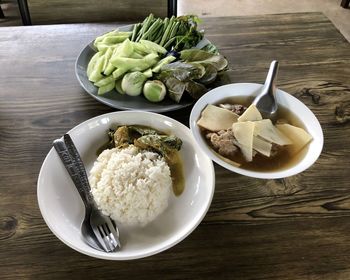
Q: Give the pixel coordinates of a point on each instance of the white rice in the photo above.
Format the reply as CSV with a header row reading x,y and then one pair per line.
x,y
132,186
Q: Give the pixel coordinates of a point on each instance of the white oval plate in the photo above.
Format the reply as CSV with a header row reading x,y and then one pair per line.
x,y
283,98
63,210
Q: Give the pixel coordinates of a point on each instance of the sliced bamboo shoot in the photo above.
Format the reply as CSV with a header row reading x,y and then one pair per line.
x,y
265,129
214,118
262,146
251,114
244,132
299,137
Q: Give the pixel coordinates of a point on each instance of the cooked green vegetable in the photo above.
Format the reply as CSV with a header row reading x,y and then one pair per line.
x,y
154,91
142,130
145,138
132,83
163,144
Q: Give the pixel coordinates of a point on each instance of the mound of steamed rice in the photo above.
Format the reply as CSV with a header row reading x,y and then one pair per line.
x,y
132,186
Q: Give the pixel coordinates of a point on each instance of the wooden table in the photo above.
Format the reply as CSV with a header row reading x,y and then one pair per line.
x,y
292,228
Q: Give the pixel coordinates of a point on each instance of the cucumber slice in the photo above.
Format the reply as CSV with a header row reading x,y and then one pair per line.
x,y
106,88
153,46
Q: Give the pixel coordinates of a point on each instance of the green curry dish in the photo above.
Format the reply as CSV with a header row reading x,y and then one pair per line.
x,y
144,138
162,144
142,130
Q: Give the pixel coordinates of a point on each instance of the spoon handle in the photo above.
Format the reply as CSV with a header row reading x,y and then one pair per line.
x,y
75,167
270,78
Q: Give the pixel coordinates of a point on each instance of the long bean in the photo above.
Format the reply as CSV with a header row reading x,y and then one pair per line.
x,y
168,44
162,31
174,29
145,26
167,31
135,30
157,33
151,29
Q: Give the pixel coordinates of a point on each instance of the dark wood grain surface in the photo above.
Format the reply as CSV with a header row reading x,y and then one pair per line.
x,y
292,228
77,11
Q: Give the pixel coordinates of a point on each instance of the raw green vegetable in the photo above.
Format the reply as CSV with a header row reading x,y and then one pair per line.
x,y
135,64
196,90
182,71
104,81
153,46
107,55
175,88
210,75
97,70
111,40
133,82
109,69
192,74
125,49
148,73
159,49
100,38
118,86
211,48
154,91
165,60
118,73
176,33
203,57
92,64
106,88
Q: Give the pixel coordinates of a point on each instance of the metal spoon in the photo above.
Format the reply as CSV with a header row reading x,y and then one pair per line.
x,y
265,101
98,231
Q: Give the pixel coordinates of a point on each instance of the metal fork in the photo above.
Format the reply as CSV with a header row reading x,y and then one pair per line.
x,y
105,231
99,231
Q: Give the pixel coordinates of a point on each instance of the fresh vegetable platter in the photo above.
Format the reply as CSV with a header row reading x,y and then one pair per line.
x,y
157,65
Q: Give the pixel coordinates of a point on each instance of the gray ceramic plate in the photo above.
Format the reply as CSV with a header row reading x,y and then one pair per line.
x,y
120,101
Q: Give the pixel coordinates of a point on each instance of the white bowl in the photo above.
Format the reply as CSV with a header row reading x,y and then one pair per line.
x,y
63,210
286,100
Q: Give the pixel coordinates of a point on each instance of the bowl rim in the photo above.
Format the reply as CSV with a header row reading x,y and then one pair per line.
x,y
186,231
284,173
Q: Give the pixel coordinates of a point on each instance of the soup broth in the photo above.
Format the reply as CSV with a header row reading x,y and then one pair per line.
x,y
283,160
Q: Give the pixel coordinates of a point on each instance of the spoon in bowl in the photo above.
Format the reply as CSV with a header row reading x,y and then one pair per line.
x,y
265,101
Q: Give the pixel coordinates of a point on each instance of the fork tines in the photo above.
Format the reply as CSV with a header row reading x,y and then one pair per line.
x,y
108,237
